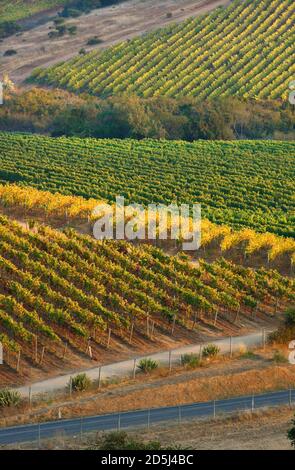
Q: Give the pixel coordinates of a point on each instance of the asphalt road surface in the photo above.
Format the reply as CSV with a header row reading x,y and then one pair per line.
x,y
143,418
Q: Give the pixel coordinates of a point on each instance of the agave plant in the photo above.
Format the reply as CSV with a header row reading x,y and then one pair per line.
x,y
9,398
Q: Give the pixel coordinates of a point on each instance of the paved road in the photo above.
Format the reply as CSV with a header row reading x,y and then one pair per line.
x,y
125,368
143,418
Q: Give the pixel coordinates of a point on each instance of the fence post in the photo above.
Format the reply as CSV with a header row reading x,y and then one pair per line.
x,y
30,396
71,386
290,398
179,414
149,419
39,436
231,346
134,368
200,353
99,377
81,429
119,421
214,409
263,338
253,403
170,361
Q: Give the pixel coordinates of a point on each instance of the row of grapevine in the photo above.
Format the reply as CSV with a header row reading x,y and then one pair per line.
x,y
19,9
246,48
35,205
240,184
55,284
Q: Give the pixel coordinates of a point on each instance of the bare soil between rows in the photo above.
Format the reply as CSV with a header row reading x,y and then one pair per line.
x,y
112,24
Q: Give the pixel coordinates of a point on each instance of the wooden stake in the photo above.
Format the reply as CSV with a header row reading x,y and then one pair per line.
x,y
109,338
148,325
36,348
216,316
237,315
131,333
18,361
65,350
42,355
173,325
195,321
153,329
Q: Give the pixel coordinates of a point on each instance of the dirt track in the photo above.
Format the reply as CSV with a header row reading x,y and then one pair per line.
x,y
111,24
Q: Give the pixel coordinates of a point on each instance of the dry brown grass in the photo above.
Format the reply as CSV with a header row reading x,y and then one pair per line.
x,y
222,379
263,430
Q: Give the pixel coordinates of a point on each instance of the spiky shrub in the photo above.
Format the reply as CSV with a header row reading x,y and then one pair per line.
x,y
190,360
80,383
9,398
147,365
279,358
211,351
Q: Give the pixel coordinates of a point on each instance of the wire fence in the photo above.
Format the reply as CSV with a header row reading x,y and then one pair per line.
x,y
112,372
144,418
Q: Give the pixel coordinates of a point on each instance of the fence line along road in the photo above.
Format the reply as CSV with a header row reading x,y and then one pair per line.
x,y
165,358
143,418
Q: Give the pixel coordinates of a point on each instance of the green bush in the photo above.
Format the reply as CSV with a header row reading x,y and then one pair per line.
x,y
147,365
249,355
10,52
210,351
58,20
190,360
290,317
8,28
119,440
80,383
72,29
285,333
93,41
9,398
279,357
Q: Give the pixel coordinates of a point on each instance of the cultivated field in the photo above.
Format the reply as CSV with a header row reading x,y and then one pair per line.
x,y
244,49
63,292
242,183
112,24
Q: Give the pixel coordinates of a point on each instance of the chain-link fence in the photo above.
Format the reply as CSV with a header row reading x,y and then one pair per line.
x,y
144,418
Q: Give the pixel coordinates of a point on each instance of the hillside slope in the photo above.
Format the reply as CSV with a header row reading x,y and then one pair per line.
x,y
239,183
245,49
19,9
61,289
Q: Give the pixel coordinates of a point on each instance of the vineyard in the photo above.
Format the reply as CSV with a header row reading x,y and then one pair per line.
x,y
240,184
62,289
13,10
31,207
246,49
